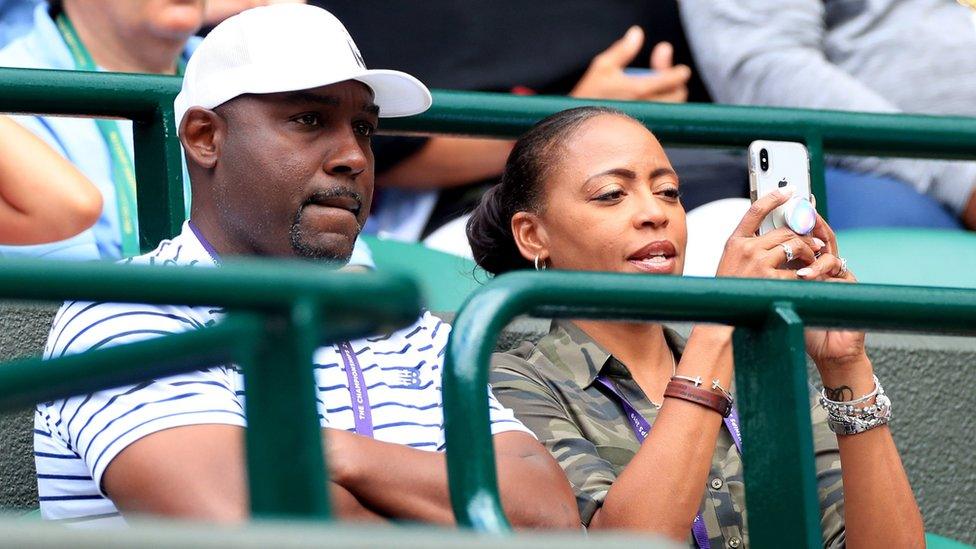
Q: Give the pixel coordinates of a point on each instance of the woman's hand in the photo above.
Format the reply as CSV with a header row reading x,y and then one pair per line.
x,y
749,256
831,350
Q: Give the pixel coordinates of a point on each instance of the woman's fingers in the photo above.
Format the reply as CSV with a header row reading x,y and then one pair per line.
x,y
827,267
783,234
758,211
794,248
823,231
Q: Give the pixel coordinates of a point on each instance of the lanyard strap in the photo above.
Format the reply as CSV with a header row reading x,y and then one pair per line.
x,y
642,428
123,171
358,393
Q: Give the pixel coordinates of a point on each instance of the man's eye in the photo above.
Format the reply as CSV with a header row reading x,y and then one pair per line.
x,y
364,129
309,119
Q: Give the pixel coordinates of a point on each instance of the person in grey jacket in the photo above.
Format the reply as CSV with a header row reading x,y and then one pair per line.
x,y
859,55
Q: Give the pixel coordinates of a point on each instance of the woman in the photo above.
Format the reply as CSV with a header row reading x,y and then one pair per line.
x,y
591,189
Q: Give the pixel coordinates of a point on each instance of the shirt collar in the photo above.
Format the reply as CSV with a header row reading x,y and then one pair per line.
x,y
45,41
586,359
191,228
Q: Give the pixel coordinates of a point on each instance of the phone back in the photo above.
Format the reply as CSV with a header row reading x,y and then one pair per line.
x,y
786,165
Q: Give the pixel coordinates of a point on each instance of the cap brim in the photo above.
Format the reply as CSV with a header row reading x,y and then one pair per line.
x,y
397,93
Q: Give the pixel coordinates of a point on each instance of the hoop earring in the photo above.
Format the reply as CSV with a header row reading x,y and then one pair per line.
x,y
536,262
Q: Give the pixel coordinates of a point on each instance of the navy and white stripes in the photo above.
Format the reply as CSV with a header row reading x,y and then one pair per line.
x,y
76,439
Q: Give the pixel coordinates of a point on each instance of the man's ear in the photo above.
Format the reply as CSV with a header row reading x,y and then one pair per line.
x,y
202,133
530,236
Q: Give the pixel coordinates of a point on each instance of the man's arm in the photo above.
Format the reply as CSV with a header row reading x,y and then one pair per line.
x,y
403,482
452,161
197,472
765,52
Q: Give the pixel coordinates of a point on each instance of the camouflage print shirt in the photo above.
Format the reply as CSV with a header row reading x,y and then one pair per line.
x,y
551,387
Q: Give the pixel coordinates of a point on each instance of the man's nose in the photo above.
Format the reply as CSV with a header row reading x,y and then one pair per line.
x,y
346,156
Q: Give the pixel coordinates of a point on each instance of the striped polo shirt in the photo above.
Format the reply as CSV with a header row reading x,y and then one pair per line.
x,y
75,439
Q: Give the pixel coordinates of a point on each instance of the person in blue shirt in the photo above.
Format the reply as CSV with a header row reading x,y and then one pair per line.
x,y
141,36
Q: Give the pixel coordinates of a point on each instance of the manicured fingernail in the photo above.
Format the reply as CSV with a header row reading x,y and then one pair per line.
x,y
787,192
818,242
806,271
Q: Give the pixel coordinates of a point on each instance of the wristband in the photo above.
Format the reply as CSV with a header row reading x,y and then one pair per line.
x,y
702,397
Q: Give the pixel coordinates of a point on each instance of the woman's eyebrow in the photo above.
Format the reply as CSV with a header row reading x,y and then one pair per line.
x,y
661,172
619,172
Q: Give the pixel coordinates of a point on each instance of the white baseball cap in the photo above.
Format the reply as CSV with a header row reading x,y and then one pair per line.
x,y
288,47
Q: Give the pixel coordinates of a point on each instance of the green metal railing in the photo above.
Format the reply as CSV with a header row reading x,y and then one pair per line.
x,y
770,371
273,309
148,102
277,315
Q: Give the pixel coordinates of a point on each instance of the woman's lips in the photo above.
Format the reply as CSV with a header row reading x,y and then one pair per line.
x,y
655,257
656,264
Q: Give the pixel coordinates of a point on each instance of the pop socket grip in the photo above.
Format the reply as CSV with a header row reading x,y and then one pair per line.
x,y
798,214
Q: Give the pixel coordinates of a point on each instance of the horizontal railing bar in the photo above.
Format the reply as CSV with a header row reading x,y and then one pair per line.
x,y
505,115
29,381
740,301
80,93
252,284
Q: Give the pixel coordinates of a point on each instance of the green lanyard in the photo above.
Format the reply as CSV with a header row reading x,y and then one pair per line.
x,y
123,172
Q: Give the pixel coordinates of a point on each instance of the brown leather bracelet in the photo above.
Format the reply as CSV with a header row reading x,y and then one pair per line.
x,y
698,395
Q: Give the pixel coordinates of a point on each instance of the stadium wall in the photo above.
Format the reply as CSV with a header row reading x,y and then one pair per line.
x,y
929,378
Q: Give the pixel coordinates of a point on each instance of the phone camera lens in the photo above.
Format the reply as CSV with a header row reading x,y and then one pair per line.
x,y
763,159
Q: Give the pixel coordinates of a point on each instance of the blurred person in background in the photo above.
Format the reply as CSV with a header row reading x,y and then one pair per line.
x,y
16,17
145,36
583,48
886,56
139,36
50,201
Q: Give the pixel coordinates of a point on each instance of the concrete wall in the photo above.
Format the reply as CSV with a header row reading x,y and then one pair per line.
x,y
930,380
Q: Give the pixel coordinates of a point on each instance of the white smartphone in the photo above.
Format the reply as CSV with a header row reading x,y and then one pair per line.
x,y
781,165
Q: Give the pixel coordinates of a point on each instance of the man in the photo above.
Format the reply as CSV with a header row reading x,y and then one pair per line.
x,y
881,56
275,116
139,36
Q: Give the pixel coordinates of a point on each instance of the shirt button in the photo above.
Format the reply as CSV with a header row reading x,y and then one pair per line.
x,y
716,483
734,542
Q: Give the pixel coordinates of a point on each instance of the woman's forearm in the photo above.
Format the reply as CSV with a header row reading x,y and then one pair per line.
x,y
879,506
676,456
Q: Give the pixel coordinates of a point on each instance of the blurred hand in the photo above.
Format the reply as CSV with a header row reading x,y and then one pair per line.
x,y
605,77
969,214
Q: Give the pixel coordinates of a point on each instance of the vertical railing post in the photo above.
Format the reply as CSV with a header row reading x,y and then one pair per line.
x,y
159,177
286,467
774,396
470,455
818,182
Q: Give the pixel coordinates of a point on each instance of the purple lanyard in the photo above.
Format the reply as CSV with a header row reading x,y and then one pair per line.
x,y
358,394
642,428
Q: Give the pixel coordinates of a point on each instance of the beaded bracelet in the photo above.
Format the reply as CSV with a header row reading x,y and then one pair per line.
x,y
845,418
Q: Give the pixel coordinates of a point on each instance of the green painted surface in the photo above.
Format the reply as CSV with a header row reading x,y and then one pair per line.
x,y
779,478
925,257
445,280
